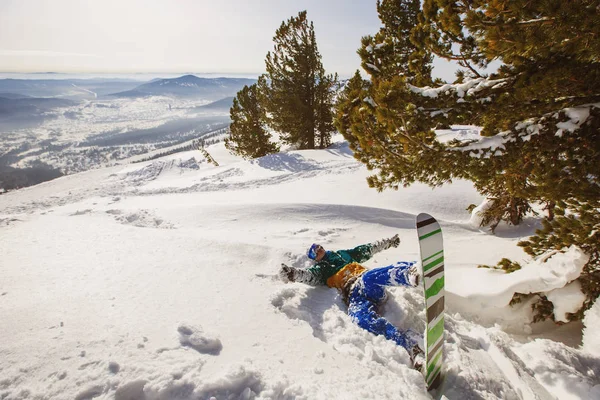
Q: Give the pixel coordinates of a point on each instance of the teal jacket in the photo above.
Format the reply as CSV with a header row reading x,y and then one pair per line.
x,y
334,261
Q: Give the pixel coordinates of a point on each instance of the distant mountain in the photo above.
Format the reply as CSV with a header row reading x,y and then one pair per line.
x,y
190,86
13,96
30,104
73,89
223,104
15,178
219,107
22,112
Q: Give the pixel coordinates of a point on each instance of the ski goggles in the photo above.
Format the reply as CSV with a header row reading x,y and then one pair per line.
x,y
312,251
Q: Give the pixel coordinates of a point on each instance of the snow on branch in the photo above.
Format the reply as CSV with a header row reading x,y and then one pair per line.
x,y
542,275
525,130
577,116
469,87
373,67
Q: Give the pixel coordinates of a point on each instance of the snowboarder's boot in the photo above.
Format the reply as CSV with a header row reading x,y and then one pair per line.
x,y
417,357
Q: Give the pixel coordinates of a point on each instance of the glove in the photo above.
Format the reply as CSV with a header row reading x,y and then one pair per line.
x,y
384,244
412,276
286,274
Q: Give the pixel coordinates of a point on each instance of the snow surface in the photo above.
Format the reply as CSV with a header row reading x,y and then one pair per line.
x,y
567,299
158,280
591,339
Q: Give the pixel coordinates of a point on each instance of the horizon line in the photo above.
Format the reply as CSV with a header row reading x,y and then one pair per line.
x,y
130,72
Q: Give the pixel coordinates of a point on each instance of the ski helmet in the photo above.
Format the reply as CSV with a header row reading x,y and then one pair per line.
x,y
312,251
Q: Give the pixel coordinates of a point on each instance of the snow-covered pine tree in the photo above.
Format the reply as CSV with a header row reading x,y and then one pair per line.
x,y
249,137
540,113
545,107
298,96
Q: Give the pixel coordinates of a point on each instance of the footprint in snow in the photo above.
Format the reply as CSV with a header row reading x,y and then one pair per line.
x,y
141,219
81,212
197,339
331,232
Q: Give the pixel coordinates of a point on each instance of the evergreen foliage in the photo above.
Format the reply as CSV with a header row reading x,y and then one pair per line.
x,y
540,111
294,98
390,52
208,157
378,117
505,264
249,137
299,93
576,223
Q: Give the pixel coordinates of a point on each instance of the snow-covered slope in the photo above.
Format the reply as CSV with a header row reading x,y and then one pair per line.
x,y
158,281
189,86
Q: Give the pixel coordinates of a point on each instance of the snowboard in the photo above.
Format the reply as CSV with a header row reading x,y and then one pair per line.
x,y
432,261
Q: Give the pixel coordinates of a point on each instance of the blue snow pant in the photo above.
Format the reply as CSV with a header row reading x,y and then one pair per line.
x,y
369,292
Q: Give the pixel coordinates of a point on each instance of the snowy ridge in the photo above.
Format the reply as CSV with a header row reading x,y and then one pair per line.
x,y
158,281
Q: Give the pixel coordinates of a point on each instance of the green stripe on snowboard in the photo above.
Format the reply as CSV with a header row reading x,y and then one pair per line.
x,y
433,264
435,288
430,257
433,364
430,234
434,333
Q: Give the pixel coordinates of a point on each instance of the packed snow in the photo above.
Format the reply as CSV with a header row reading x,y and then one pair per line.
x,y
566,300
158,280
591,321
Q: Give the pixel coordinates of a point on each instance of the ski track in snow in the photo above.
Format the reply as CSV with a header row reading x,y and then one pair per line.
x,y
126,340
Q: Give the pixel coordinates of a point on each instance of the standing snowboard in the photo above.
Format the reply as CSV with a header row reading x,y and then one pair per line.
x,y
432,261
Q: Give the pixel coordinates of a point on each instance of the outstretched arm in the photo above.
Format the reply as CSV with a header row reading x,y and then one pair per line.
x,y
291,274
385,244
366,251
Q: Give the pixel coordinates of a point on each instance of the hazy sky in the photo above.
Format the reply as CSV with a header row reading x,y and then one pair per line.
x,y
171,35
220,36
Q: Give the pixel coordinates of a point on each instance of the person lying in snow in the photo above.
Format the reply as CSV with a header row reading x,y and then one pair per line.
x,y
362,290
